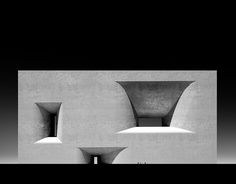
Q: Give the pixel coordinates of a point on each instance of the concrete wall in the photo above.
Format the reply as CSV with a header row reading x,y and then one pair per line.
x,y
95,107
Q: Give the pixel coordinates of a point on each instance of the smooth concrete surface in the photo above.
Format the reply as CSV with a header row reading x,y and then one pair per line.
x,y
94,108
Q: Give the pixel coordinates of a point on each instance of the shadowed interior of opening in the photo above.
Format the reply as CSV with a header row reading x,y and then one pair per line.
x,y
53,125
143,122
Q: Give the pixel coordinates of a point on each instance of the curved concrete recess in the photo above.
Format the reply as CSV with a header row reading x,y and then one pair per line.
x,y
106,154
154,99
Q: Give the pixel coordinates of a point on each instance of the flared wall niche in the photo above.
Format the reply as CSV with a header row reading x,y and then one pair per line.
x,y
50,129
154,102
100,155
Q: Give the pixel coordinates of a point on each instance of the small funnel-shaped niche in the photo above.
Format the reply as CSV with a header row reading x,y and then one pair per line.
x,y
100,155
50,122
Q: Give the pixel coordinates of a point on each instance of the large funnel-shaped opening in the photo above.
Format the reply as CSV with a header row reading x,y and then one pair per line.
x,y
154,102
100,155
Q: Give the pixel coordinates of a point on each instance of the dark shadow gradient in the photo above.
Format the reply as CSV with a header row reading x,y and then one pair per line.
x,y
8,121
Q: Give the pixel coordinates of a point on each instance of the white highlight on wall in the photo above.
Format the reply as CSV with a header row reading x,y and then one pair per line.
x,y
154,130
95,160
49,140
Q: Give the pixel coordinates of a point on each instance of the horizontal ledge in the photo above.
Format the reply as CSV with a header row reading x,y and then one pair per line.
x,y
49,140
154,130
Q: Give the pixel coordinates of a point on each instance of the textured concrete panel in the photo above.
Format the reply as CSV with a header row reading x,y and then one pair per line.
x,y
95,108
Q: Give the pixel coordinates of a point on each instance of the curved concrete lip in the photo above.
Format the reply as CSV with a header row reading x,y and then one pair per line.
x,y
146,130
101,150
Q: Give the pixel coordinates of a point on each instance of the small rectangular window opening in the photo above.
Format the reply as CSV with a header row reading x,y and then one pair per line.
x,y
95,159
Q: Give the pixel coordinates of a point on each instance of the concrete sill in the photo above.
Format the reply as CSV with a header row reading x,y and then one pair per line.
x,y
137,130
49,140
